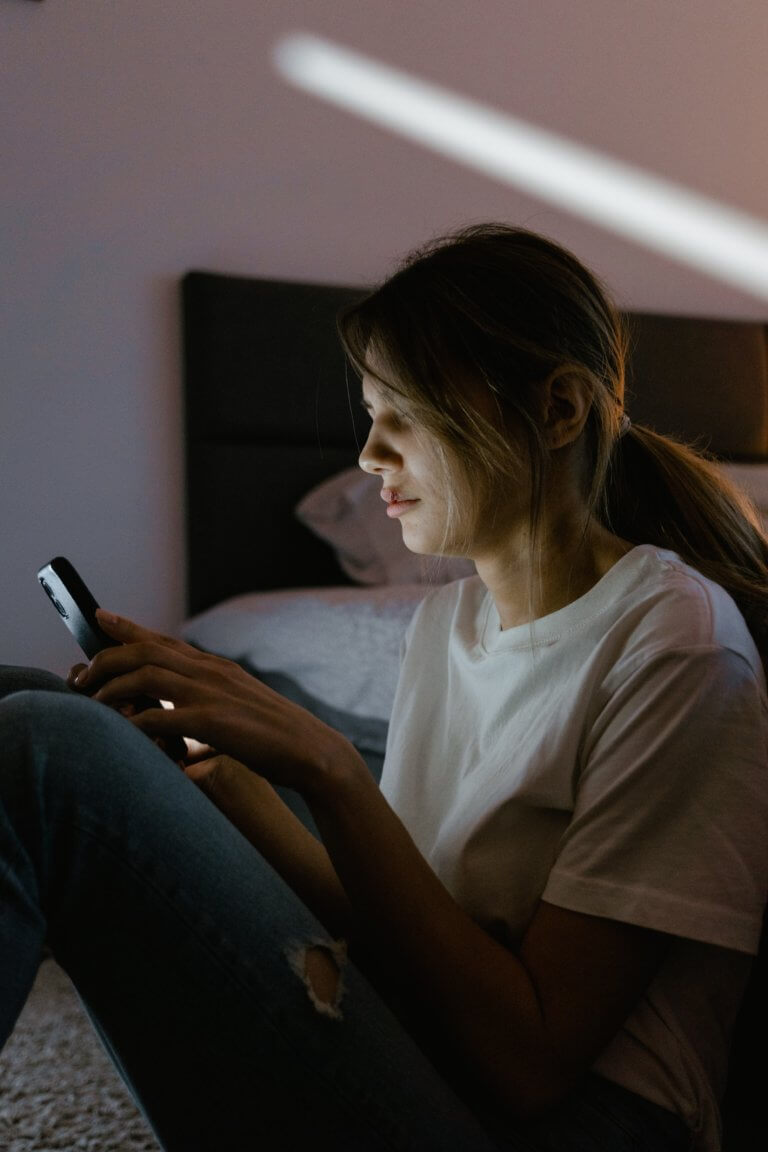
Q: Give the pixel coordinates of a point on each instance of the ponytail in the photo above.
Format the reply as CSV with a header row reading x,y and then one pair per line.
x,y
660,491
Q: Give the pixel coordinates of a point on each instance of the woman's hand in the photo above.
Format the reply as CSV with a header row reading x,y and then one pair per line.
x,y
210,772
177,748
216,703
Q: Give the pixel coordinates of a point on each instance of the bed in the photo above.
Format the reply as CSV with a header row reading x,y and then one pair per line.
x,y
293,569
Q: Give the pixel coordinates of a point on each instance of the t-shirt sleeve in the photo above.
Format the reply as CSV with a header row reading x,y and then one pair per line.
x,y
670,820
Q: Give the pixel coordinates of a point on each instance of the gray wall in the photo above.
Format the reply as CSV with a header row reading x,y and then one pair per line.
x,y
140,139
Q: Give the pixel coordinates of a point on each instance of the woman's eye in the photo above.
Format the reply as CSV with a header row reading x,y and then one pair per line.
x,y
397,418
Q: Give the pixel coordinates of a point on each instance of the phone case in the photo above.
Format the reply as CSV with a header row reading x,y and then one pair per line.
x,y
77,607
75,604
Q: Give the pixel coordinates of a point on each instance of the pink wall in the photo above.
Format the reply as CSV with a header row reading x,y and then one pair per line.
x,y
142,139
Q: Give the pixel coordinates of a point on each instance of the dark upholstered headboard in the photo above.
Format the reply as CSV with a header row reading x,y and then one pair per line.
x,y
268,417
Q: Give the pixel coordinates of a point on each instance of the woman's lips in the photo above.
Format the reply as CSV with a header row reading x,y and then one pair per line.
x,y
399,507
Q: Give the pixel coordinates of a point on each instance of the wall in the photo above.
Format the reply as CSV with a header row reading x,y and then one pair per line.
x,y
142,139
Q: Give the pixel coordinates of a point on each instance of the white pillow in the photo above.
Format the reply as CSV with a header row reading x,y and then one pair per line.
x,y
752,479
348,513
340,645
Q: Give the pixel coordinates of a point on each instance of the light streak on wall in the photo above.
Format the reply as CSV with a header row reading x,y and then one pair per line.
x,y
727,244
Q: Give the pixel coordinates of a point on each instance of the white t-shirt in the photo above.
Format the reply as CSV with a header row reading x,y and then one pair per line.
x,y
617,768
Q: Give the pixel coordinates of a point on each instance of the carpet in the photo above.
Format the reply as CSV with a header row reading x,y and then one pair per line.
x,y
58,1087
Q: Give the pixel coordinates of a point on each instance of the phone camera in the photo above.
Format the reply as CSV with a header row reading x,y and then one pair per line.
x,y
56,603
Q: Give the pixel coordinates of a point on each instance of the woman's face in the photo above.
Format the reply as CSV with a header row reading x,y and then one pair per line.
x,y
405,460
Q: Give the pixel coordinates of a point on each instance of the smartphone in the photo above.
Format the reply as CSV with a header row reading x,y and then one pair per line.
x,y
76,605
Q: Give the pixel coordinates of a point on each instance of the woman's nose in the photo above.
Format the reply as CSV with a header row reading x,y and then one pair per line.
x,y
375,455
367,463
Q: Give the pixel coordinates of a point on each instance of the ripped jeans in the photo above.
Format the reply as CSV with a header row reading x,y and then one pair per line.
x,y
188,951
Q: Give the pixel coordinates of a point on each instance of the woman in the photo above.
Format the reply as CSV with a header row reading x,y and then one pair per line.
x,y
536,933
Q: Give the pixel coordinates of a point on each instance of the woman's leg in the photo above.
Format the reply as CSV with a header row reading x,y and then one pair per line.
x,y
183,945
178,937
15,678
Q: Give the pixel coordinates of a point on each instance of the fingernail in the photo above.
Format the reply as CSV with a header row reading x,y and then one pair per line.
x,y
81,677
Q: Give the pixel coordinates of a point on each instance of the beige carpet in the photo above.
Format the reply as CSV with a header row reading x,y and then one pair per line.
x,y
58,1087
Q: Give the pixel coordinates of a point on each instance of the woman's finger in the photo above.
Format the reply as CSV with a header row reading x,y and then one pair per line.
x,y
146,680
198,751
159,722
138,645
128,632
111,663
207,770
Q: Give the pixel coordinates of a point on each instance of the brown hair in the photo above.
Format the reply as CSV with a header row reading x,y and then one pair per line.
x,y
503,307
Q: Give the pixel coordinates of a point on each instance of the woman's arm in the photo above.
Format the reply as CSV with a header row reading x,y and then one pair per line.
x,y
254,807
466,995
404,931
517,1030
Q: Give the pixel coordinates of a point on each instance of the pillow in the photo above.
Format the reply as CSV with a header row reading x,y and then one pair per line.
x,y
348,513
339,647
753,480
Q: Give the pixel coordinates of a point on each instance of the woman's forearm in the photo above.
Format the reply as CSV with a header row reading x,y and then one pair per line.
x,y
469,998
464,995
254,807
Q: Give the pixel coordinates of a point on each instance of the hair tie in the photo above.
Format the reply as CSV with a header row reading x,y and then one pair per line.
x,y
625,425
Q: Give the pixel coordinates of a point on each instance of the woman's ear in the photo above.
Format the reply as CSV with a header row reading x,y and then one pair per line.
x,y
566,401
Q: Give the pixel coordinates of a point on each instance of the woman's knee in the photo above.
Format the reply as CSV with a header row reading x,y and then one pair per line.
x,y
78,761
16,678
37,716
81,737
